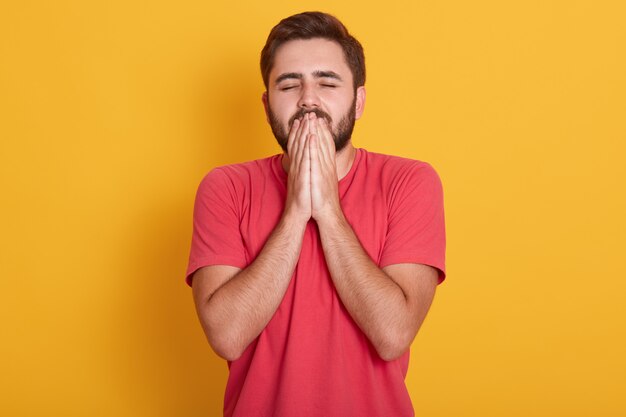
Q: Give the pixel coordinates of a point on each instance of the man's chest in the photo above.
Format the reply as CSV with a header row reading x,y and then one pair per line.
x,y
365,208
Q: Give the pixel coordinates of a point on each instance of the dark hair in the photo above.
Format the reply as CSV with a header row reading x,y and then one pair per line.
x,y
310,25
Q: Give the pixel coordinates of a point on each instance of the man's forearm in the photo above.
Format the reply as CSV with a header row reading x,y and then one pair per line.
x,y
376,303
241,308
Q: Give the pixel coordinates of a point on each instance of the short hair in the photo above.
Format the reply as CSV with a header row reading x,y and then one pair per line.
x,y
310,25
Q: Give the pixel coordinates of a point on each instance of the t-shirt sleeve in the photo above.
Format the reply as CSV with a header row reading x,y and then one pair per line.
x,y
416,227
216,238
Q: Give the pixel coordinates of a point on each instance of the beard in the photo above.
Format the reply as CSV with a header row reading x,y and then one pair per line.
x,y
341,134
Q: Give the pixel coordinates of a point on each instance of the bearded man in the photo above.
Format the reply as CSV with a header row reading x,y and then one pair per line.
x,y
312,270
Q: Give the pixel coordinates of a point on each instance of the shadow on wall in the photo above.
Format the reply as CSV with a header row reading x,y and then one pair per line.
x,y
167,362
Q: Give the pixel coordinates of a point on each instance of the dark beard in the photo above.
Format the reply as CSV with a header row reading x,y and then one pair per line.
x,y
341,135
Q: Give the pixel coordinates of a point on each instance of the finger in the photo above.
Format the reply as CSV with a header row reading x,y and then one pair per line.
x,y
305,163
292,134
314,157
323,155
315,147
328,136
323,168
299,139
326,142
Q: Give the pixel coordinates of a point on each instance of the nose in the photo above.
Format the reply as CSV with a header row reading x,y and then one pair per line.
x,y
308,98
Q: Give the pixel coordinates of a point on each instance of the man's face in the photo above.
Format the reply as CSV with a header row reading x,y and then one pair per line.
x,y
312,76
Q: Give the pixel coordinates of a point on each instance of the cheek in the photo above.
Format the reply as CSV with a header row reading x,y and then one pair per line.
x,y
283,112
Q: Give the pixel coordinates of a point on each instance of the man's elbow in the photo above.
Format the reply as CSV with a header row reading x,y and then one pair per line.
x,y
229,353
223,339
225,347
394,346
389,354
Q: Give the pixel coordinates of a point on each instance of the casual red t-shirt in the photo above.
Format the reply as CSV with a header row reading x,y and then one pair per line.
x,y
312,359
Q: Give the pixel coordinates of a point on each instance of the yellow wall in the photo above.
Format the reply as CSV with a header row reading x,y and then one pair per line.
x,y
112,111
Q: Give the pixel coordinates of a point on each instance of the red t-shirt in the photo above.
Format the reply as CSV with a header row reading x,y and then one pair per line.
x,y
312,359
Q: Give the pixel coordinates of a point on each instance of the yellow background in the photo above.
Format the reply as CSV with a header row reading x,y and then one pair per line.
x,y
112,111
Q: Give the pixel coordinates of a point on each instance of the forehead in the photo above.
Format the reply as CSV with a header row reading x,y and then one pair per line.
x,y
306,56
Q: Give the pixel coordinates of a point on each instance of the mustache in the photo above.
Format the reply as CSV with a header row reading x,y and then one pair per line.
x,y
318,112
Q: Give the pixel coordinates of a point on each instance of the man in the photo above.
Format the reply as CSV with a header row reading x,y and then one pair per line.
x,y
313,269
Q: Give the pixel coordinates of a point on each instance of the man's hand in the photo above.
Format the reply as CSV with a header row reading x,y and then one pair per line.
x,y
388,305
324,183
298,202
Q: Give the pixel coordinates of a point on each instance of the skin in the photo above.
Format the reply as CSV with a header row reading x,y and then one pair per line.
x,y
389,305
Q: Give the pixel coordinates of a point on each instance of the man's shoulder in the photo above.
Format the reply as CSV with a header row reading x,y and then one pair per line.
x,y
254,168
394,164
262,165
237,175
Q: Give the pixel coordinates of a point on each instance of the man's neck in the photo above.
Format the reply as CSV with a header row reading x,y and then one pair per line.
x,y
343,158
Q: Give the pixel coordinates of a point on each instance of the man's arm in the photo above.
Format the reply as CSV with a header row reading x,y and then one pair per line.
x,y
235,305
388,305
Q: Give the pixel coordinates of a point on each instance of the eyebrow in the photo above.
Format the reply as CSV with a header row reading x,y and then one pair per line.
x,y
288,76
316,74
327,74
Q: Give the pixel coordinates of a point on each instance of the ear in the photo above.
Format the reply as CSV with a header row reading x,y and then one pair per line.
x,y
359,102
266,105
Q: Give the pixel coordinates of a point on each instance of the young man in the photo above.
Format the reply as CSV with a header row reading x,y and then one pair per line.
x,y
313,269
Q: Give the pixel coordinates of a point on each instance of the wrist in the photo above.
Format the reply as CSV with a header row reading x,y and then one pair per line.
x,y
331,219
294,219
